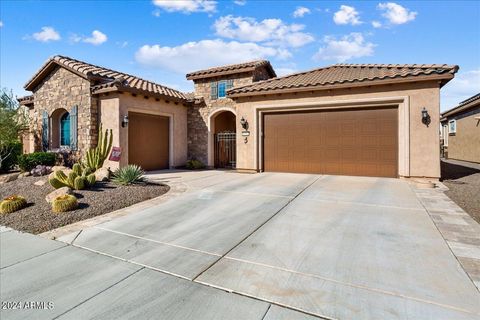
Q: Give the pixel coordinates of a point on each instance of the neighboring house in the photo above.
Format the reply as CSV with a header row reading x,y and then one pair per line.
x,y
368,120
460,131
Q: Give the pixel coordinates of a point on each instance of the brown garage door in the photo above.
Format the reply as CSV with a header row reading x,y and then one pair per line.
x,y
359,142
148,141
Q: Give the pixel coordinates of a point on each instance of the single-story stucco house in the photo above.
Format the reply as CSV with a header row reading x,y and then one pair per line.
x,y
347,119
460,131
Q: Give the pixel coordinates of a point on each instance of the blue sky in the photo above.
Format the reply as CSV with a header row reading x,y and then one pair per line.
x,y
162,40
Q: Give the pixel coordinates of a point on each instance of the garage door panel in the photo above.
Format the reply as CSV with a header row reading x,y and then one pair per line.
x,y
148,141
348,142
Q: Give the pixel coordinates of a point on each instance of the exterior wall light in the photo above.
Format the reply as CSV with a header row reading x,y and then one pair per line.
x,y
244,123
125,121
425,117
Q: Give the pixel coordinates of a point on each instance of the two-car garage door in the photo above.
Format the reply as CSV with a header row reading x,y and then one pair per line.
x,y
360,142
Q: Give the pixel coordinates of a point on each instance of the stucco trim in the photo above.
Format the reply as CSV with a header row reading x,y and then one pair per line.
x,y
401,102
210,143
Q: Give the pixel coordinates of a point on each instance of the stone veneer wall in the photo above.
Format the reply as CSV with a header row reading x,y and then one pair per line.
x,y
64,89
197,119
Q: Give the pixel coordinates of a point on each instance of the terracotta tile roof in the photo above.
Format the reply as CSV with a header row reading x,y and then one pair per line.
x,y
108,78
231,69
346,74
473,101
26,100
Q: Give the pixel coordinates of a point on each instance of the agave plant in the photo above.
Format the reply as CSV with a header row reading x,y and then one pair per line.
x,y
130,174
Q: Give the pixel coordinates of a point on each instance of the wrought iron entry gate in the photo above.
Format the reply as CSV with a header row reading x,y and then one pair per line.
x,y
225,150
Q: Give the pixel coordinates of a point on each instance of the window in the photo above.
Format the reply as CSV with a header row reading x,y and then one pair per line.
x,y
222,89
452,126
65,129
219,88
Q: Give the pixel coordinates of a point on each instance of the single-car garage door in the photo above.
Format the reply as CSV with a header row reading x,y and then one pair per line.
x,y
360,142
148,141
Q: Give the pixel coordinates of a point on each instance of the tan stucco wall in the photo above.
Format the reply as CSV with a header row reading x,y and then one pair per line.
x,y
114,106
422,154
465,143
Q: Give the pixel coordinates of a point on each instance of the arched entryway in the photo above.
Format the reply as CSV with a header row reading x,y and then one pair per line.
x,y
223,126
60,129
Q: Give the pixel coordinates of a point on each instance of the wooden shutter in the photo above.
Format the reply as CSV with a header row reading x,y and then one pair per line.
x,y
213,90
74,128
45,130
229,84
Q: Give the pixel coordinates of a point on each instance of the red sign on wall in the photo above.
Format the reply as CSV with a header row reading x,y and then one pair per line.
x,y
115,155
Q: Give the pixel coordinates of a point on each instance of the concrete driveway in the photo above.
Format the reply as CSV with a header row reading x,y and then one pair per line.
x,y
304,246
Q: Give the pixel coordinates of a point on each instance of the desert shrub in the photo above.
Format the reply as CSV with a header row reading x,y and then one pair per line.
x,y
28,161
12,203
194,164
130,174
11,153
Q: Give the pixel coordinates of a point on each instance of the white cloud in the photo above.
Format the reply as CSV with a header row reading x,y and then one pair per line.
x,y
347,15
186,6
395,13
97,38
300,12
347,47
376,24
284,71
1,23
269,31
47,34
240,2
122,44
193,56
463,86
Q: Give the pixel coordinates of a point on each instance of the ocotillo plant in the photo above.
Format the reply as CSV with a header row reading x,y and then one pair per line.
x,y
95,157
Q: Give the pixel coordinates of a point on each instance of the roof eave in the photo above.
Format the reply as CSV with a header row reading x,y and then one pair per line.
x,y
139,92
357,84
462,108
45,70
217,74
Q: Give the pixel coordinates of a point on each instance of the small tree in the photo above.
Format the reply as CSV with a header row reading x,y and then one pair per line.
x,y
13,122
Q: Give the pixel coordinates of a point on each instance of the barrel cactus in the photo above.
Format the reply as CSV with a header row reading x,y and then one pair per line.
x,y
79,178
95,157
64,203
12,203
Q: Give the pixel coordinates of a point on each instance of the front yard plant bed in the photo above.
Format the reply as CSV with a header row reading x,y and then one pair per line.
x,y
104,197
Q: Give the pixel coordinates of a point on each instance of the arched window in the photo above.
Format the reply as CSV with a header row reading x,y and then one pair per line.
x,y
65,129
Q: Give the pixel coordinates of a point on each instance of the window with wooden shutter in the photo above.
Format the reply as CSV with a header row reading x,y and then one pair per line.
x,y
213,90
74,128
45,130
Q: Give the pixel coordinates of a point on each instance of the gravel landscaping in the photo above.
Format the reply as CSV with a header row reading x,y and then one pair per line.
x,y
38,217
464,185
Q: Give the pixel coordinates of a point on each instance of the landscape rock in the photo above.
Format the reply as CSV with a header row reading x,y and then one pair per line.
x,y
40,182
24,174
55,168
102,174
57,193
9,177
